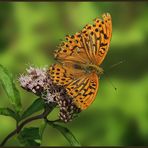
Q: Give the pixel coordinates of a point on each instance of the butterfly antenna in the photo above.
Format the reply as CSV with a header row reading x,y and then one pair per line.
x,y
109,80
116,64
111,67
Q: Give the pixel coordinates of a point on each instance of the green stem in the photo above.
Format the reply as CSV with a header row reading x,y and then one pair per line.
x,y
21,125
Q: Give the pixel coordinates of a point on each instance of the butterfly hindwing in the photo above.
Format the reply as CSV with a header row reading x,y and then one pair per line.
x,y
82,88
63,74
59,75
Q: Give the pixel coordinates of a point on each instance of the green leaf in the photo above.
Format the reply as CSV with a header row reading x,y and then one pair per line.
x,y
66,133
10,88
37,105
9,112
42,128
30,136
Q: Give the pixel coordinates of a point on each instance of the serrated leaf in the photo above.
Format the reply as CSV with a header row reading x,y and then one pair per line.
x,y
30,136
66,133
9,112
10,88
37,105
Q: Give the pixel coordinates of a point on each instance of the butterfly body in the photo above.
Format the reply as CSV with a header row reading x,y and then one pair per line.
x,y
93,68
89,68
80,57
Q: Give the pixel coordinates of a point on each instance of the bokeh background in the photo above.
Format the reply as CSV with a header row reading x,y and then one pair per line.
x,y
29,32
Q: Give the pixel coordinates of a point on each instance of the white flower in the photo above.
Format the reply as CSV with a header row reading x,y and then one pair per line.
x,y
34,80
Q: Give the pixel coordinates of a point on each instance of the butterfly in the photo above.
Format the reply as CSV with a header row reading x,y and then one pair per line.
x,y
79,58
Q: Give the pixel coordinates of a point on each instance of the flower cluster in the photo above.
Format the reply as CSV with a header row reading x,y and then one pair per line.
x,y
37,80
34,81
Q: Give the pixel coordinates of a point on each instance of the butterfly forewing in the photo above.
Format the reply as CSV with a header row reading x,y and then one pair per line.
x,y
72,50
89,45
97,38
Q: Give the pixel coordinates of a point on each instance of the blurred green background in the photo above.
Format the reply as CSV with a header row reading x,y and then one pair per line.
x,y
29,32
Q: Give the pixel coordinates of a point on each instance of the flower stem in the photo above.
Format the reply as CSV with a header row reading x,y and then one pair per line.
x,y
21,125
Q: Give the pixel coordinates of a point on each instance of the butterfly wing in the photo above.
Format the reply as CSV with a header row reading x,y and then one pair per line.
x,y
83,90
97,38
80,86
63,74
72,50
89,45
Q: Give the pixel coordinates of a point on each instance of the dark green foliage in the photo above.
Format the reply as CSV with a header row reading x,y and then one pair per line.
x,y
37,105
9,112
10,88
30,136
66,133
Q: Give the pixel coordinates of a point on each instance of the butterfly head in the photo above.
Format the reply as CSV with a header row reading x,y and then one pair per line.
x,y
99,71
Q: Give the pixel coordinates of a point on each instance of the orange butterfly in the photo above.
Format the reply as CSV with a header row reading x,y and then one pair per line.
x,y
78,70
